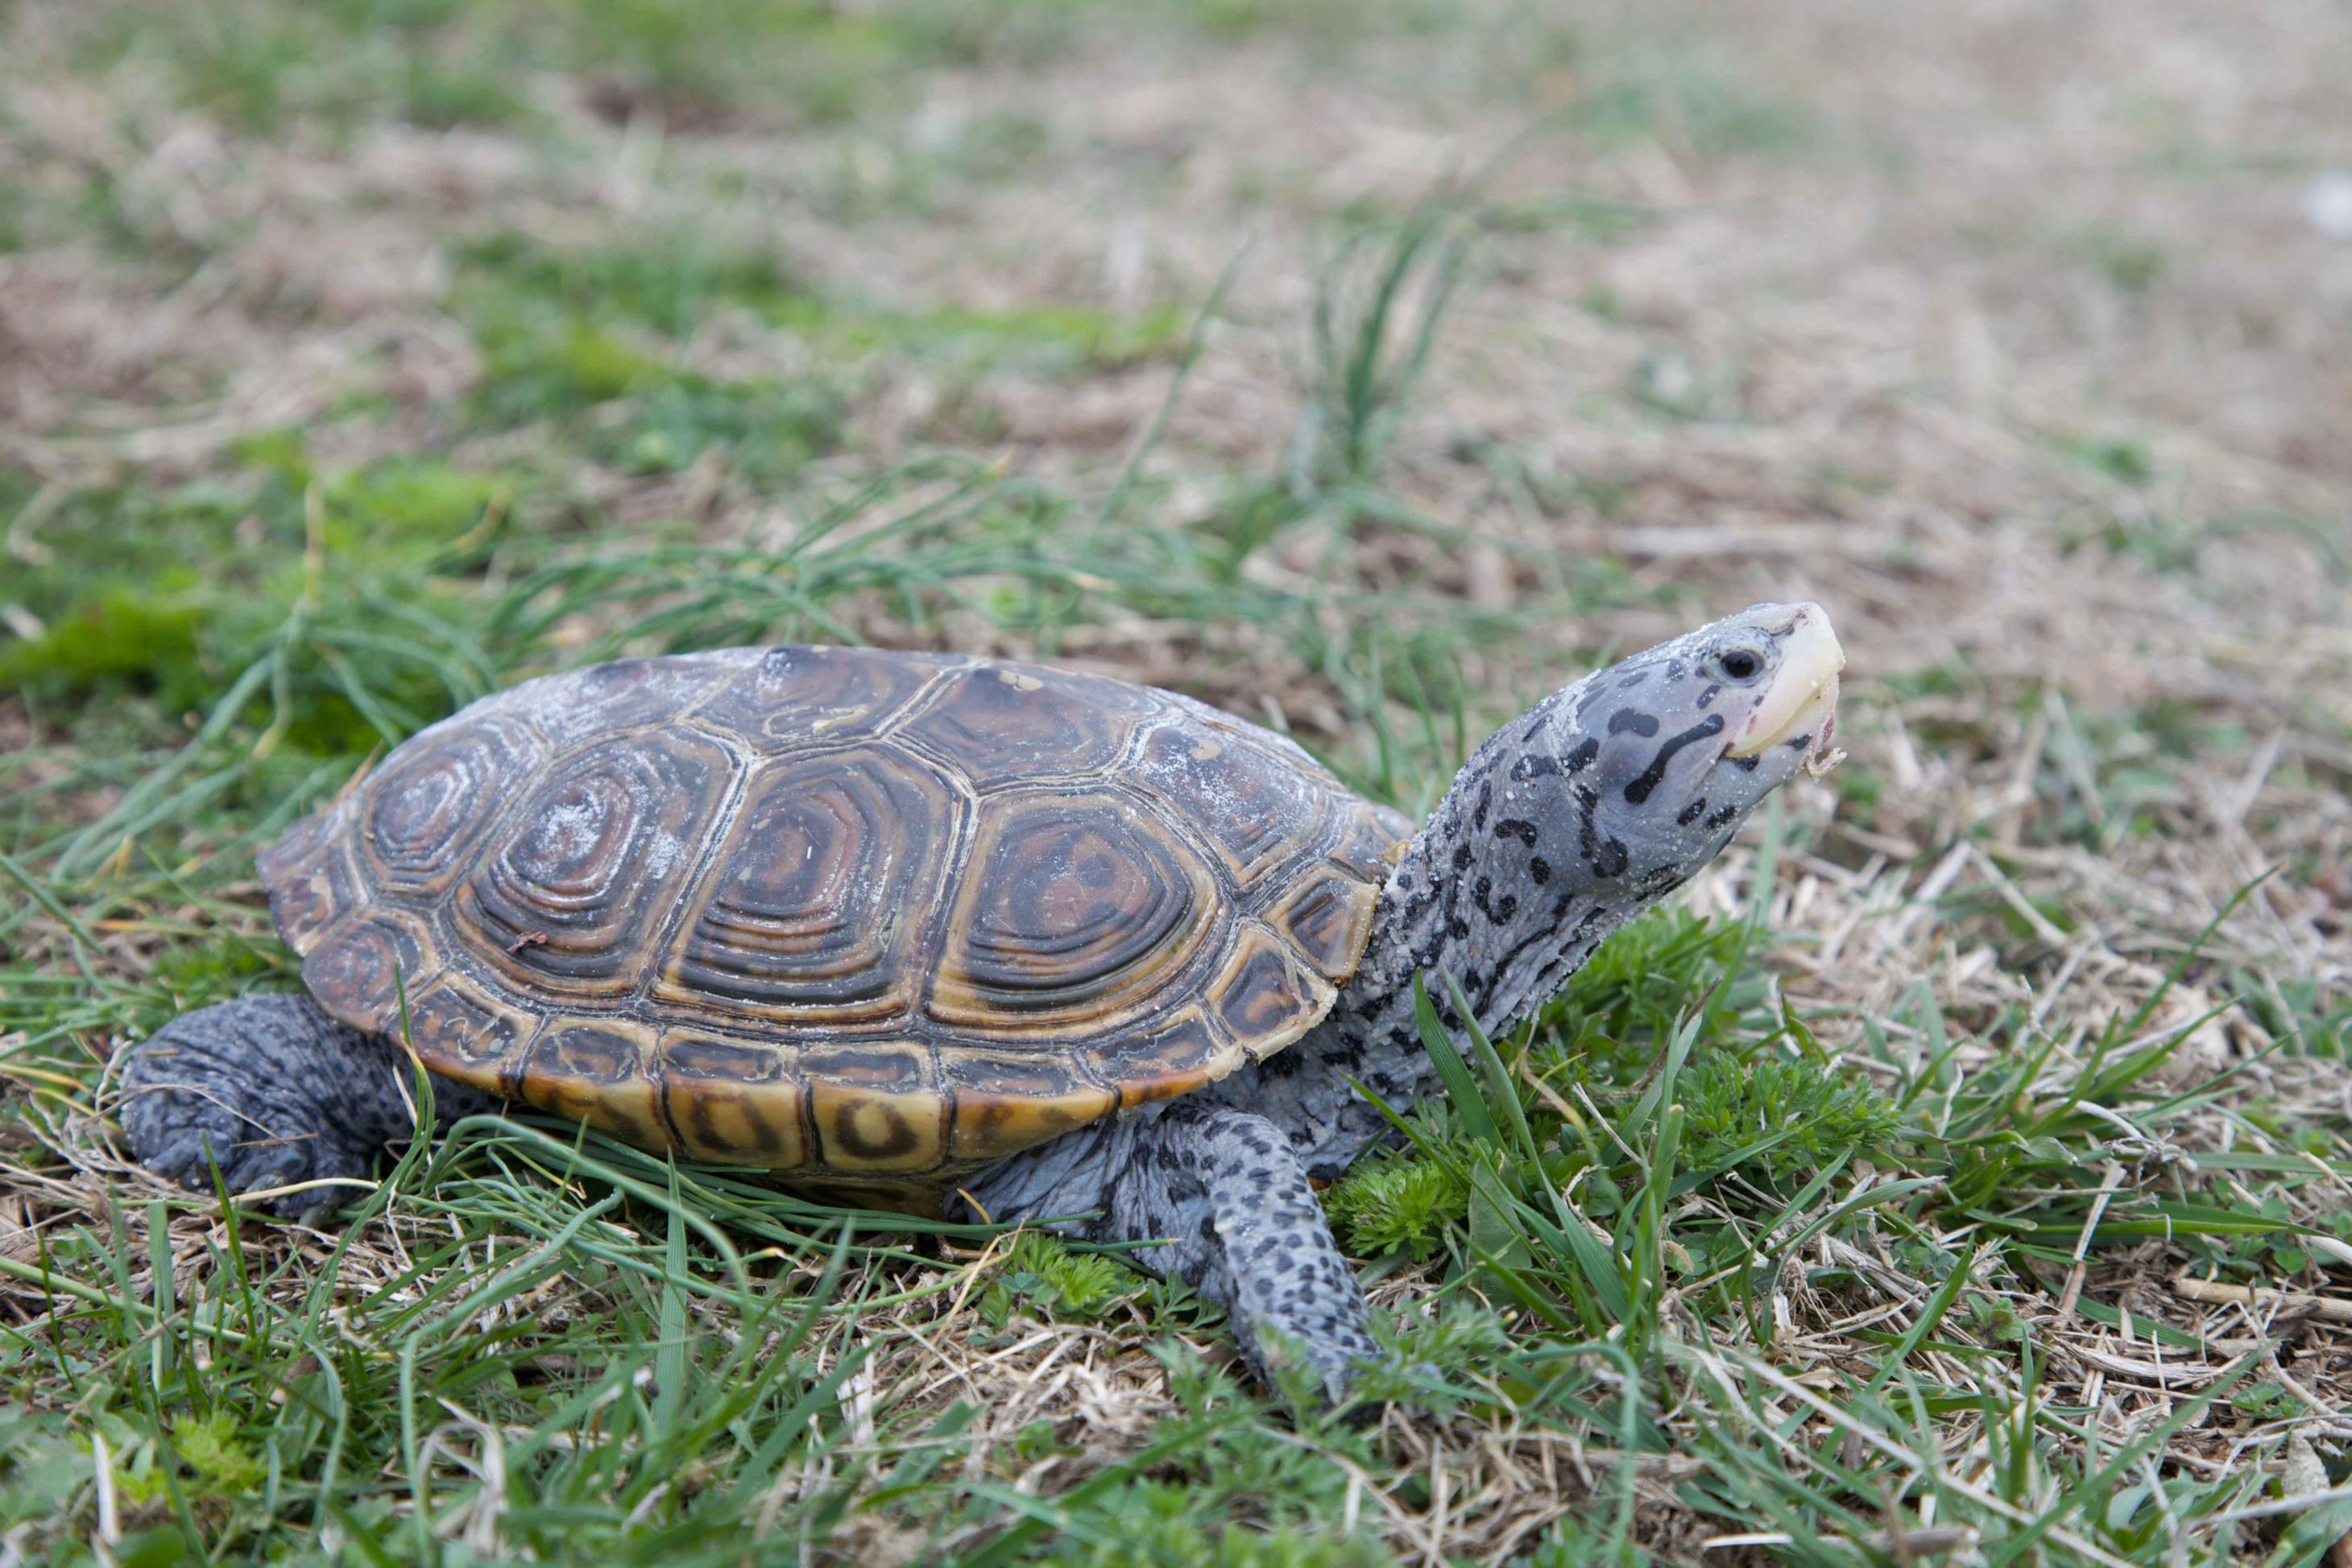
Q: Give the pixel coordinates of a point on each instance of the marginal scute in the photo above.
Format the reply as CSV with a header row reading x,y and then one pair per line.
x,y
597,1070
465,1031
1262,999
1074,911
1005,1102
876,1107
811,911
320,834
358,970
1367,843
309,892
794,697
733,1102
1328,917
1001,722
592,864
1177,1057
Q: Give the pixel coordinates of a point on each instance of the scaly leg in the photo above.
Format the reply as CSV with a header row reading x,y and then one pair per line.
x,y
274,1091
1224,1192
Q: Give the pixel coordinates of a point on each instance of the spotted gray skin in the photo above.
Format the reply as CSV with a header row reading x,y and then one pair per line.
x,y
1566,823
276,1093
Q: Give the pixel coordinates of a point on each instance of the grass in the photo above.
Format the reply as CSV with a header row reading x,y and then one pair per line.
x,y
1879,1202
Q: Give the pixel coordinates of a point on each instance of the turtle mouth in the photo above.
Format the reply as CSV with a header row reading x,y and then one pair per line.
x,y
1801,701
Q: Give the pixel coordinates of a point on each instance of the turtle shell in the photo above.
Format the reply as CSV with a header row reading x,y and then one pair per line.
x,y
850,913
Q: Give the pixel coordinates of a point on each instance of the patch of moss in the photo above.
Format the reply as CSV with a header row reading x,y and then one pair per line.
x,y
118,637
408,497
212,1448
1730,1101
765,430
1403,1204
669,282
1044,1274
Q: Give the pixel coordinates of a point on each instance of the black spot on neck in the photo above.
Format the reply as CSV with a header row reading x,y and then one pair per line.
x,y
1639,789
1633,718
1533,765
1497,910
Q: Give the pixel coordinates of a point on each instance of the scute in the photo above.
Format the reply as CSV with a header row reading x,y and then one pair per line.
x,y
615,697
873,919
812,913
597,1070
362,968
1261,999
1176,1057
424,816
1006,1101
877,1107
1324,919
1074,911
1257,811
792,697
453,1019
998,724
592,862
309,892
733,1101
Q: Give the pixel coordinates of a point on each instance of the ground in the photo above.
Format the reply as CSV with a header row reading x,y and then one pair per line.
x,y
1368,369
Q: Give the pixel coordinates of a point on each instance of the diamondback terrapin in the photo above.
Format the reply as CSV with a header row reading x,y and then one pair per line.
x,y
1011,941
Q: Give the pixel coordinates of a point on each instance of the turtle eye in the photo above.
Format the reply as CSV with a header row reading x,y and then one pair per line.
x,y
1741,664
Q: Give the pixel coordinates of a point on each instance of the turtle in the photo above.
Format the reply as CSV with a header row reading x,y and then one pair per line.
x,y
995,940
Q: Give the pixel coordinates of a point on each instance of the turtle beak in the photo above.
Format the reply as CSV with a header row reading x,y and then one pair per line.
x,y
1802,697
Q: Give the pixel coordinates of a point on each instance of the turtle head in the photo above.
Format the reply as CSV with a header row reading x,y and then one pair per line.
x,y
1577,816
1683,740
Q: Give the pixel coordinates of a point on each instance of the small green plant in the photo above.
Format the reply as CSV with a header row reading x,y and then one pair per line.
x,y
1044,1275
1398,1204
211,1446
1996,1322
1733,1102
2268,1401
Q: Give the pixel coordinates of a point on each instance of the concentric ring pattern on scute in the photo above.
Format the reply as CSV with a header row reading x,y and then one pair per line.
x,y
859,915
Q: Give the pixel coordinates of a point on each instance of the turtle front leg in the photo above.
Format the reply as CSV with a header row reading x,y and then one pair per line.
x,y
273,1091
1224,1192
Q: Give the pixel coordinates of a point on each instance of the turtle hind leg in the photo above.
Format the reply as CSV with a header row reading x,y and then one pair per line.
x,y
272,1091
1226,1196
